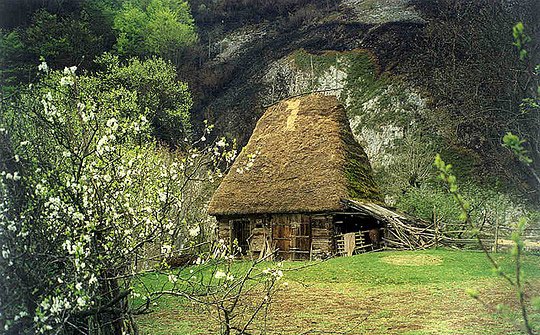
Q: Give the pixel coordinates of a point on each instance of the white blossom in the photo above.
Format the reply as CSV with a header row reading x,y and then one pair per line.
x,y
101,146
81,301
67,81
194,231
220,274
112,123
12,227
78,216
221,143
43,67
70,70
93,280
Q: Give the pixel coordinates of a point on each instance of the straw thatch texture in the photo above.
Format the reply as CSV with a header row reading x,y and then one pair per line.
x,y
307,161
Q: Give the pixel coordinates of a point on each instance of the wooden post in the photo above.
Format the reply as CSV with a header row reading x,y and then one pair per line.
x,y
496,242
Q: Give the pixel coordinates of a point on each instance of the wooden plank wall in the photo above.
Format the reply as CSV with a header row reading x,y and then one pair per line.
x,y
322,232
297,236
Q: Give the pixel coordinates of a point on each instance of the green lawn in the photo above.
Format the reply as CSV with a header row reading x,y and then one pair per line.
x,y
405,292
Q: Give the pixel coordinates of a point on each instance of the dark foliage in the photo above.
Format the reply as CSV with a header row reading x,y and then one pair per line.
x,y
465,58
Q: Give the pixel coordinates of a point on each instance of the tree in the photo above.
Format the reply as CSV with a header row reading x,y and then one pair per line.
x,y
161,27
63,39
85,191
160,97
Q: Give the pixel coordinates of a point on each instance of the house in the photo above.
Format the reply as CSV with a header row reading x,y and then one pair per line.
x,y
299,185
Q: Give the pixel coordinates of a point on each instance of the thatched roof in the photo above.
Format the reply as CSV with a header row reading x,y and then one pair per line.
x,y
306,161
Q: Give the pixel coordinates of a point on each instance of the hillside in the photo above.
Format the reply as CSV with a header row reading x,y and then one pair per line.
x,y
417,77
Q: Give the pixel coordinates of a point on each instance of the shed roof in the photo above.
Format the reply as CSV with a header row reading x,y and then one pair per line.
x,y
306,160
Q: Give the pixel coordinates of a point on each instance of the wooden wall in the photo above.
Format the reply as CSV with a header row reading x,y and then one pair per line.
x,y
322,231
296,236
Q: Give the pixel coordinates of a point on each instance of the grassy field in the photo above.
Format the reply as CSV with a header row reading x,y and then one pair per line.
x,y
406,292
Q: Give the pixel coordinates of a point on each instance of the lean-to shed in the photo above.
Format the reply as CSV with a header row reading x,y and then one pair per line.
x,y
287,189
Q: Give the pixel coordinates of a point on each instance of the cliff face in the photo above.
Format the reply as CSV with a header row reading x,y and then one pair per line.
x,y
417,77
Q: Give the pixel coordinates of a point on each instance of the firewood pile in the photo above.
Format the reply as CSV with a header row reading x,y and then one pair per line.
x,y
400,235
401,231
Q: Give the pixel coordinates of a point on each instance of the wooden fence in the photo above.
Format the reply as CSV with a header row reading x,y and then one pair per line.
x,y
435,234
405,232
410,238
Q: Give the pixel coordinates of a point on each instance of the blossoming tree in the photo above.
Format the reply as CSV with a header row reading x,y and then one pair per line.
x,y
86,192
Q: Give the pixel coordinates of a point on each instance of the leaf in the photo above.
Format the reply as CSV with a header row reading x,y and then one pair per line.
x,y
473,293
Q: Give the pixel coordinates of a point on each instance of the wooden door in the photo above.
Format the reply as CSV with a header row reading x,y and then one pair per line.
x,y
281,235
302,237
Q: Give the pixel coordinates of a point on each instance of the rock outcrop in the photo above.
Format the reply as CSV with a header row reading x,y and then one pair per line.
x,y
417,77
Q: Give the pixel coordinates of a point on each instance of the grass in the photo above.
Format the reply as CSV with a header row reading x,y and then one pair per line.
x,y
412,293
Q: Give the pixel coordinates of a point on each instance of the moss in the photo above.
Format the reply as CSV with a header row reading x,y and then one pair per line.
x,y
363,79
360,180
304,61
464,161
368,5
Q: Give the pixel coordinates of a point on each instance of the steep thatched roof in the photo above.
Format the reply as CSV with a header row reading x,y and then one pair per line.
x,y
306,161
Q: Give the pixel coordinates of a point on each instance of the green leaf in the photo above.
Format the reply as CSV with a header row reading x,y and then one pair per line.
x,y
473,293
